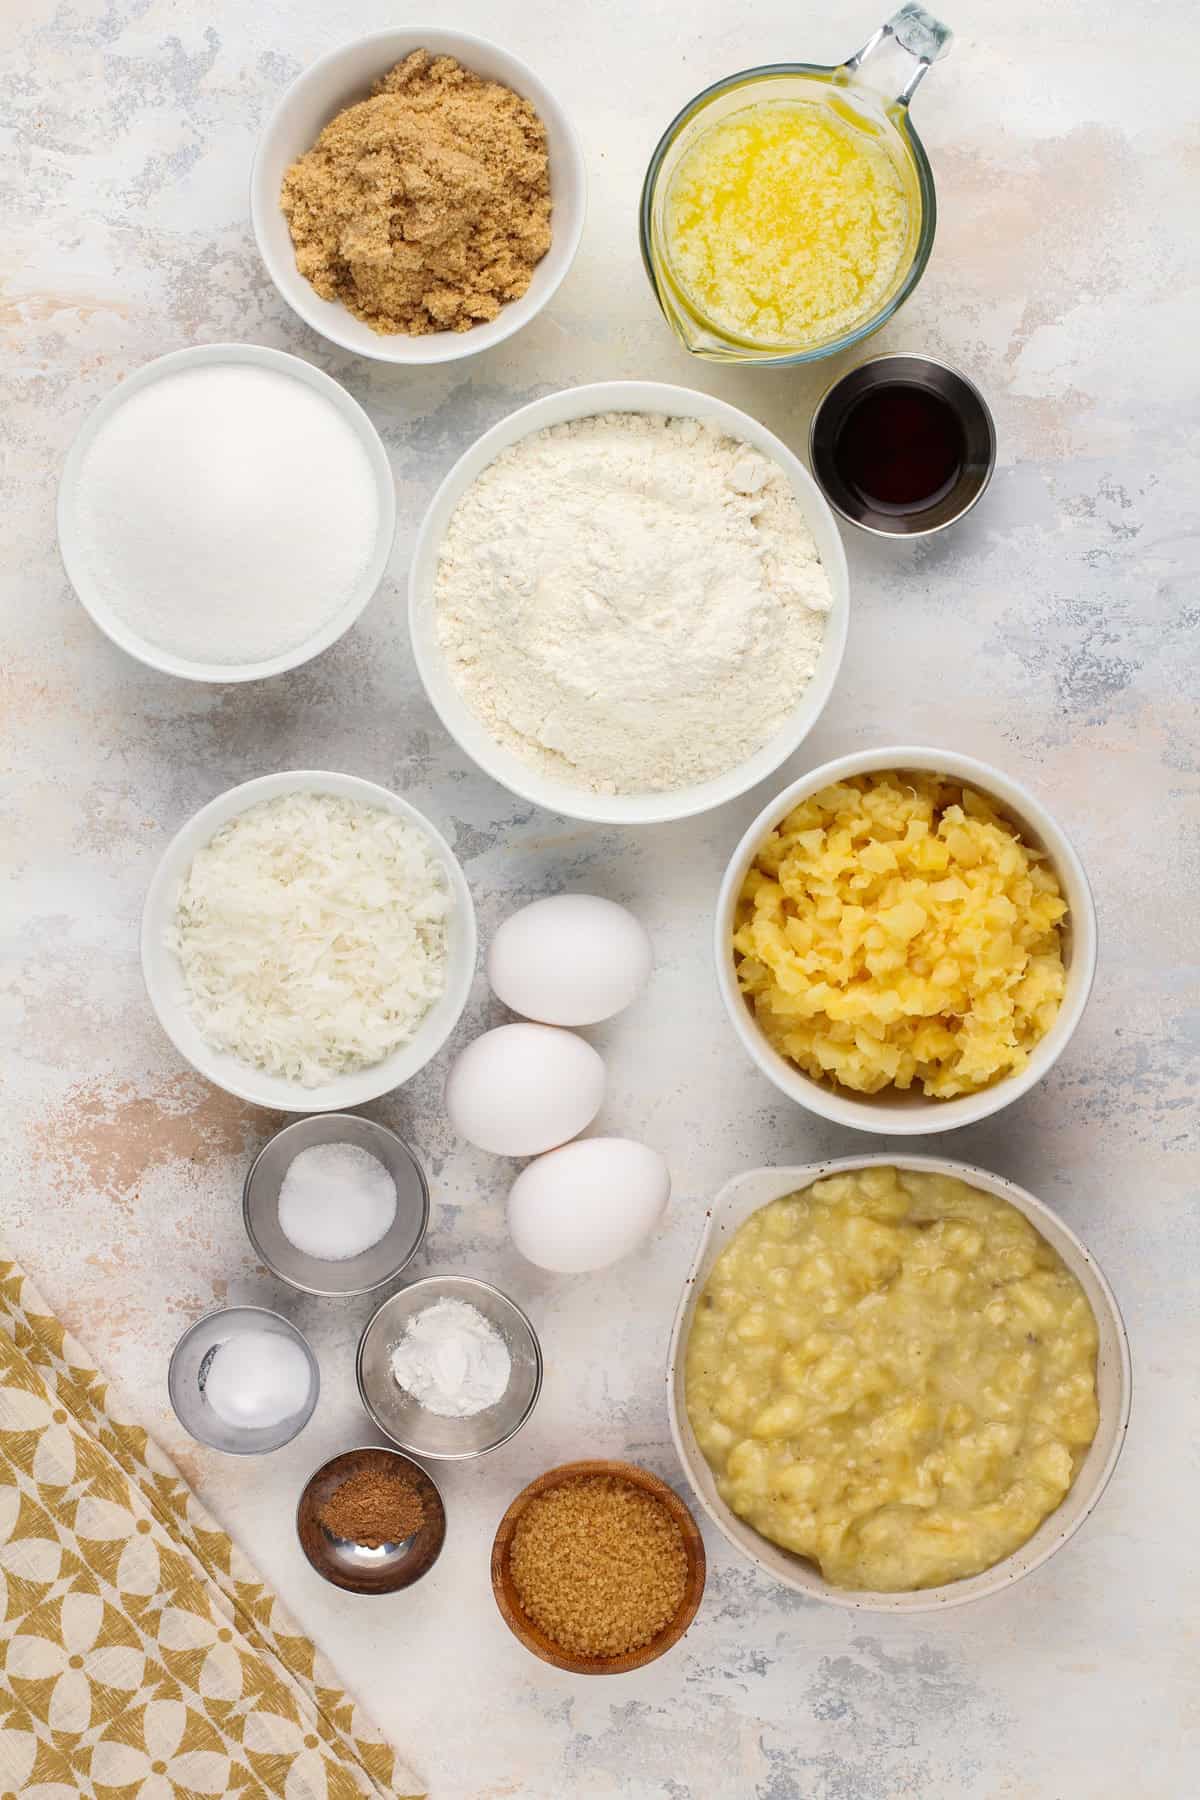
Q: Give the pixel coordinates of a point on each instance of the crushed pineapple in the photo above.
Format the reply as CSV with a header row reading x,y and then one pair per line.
x,y
895,930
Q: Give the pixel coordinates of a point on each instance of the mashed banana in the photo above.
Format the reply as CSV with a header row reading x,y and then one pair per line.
x,y
894,1375
894,929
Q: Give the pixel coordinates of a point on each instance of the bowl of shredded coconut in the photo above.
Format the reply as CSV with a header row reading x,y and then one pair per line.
x,y
628,602
308,941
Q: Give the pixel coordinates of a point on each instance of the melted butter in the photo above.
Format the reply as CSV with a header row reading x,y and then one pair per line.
x,y
786,223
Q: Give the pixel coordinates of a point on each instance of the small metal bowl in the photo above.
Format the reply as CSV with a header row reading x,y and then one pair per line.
x,y
965,401
533,1637
363,1568
189,1367
357,1274
402,1418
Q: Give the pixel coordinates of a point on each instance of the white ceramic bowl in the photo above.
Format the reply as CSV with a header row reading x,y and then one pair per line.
x,y
501,763
912,1114
164,979
744,1195
336,81
75,560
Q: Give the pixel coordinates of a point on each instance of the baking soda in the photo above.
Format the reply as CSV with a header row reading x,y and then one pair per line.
x,y
226,513
257,1379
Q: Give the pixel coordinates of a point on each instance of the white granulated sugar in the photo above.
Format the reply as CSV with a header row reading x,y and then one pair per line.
x,y
226,513
631,603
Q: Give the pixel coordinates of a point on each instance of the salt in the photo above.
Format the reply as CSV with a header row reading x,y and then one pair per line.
x,y
226,513
452,1360
335,1201
257,1379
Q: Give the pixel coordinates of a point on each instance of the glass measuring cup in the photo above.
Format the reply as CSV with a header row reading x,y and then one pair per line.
x,y
851,91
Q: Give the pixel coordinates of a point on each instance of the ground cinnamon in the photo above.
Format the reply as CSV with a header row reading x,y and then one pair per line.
x,y
427,206
373,1507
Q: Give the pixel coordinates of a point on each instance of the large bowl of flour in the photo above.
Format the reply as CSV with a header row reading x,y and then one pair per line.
x,y
628,602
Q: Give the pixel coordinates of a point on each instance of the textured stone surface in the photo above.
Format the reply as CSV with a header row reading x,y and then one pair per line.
x,y
1053,633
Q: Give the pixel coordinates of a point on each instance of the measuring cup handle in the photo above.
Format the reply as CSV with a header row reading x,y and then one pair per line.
x,y
922,37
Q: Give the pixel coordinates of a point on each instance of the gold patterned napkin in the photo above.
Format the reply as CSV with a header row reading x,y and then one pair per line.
x,y
141,1657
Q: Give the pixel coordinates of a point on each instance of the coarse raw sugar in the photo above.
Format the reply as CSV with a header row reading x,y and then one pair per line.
x,y
599,1565
426,206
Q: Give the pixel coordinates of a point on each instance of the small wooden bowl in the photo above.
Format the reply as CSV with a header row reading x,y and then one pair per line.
x,y
533,1638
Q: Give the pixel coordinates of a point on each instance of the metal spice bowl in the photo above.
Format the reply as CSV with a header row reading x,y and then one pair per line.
x,y
361,1568
533,1638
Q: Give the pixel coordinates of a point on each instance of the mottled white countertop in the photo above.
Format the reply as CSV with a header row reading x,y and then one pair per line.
x,y
1053,633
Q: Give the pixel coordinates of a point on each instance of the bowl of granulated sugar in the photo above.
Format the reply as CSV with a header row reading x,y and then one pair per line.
x,y
226,513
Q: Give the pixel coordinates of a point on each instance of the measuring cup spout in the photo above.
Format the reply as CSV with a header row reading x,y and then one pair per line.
x,y
920,38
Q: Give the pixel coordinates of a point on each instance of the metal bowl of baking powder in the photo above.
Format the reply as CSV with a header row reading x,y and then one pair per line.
x,y
402,1418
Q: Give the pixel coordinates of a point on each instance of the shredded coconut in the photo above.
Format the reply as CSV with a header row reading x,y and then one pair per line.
x,y
311,933
452,1360
631,603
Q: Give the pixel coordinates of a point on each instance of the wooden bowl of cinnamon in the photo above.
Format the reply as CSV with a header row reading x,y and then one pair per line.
x,y
598,1567
371,1521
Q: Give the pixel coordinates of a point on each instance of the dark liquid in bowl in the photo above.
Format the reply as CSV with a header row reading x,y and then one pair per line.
x,y
900,448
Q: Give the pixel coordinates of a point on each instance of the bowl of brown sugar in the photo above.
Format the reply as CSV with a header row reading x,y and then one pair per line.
x,y
418,195
598,1567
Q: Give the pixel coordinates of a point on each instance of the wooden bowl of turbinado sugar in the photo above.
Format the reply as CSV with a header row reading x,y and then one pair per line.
x,y
598,1567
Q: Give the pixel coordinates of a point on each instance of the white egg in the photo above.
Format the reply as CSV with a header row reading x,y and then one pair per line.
x,y
521,1089
571,959
588,1204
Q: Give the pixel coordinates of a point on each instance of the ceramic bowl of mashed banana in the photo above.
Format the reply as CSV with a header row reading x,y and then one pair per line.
x,y
896,1384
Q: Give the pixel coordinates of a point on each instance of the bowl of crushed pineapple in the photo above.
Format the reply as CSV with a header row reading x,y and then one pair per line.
x,y
905,940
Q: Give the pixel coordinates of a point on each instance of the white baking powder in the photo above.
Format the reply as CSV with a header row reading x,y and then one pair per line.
x,y
226,513
452,1360
631,603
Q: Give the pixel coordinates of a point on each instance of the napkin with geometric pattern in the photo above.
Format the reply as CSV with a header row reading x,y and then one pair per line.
x,y
141,1656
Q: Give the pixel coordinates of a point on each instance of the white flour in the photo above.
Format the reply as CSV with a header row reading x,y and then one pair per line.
x,y
629,602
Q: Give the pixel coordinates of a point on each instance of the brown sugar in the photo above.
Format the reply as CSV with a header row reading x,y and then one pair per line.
x,y
373,1507
599,1565
427,206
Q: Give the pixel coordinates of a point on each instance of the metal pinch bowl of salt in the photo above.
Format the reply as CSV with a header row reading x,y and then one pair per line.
x,y
382,1261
